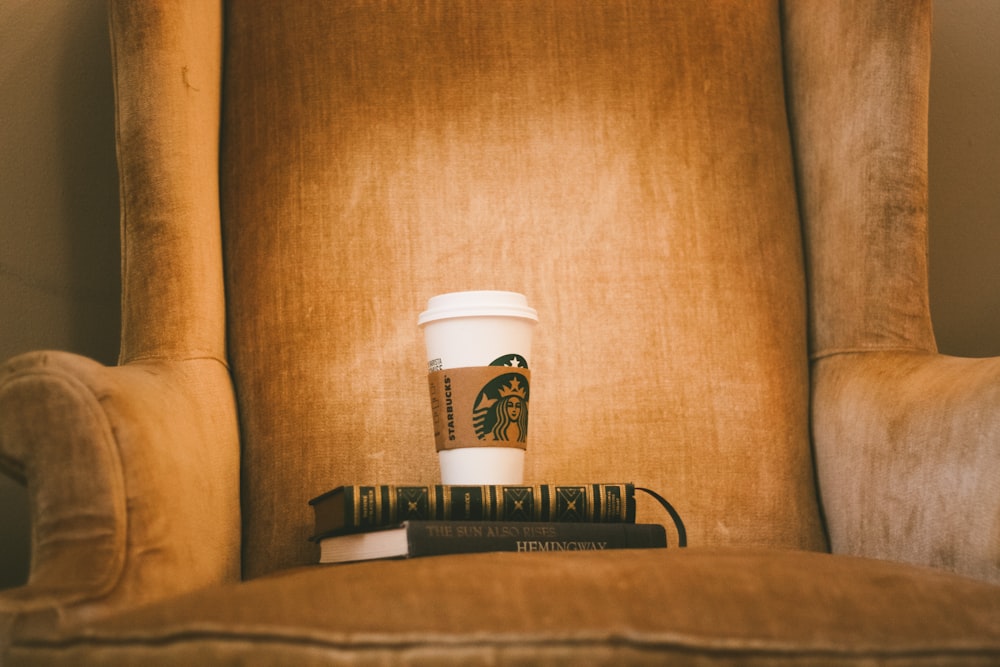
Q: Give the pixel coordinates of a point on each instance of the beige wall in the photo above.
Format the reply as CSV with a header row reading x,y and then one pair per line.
x,y
58,202
58,197
964,174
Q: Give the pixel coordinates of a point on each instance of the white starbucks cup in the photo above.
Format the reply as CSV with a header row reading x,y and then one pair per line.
x,y
478,352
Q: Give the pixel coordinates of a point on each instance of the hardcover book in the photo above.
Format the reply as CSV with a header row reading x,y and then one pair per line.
x,y
413,539
348,509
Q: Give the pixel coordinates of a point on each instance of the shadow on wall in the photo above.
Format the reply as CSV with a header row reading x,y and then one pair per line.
x,y
59,235
88,174
964,163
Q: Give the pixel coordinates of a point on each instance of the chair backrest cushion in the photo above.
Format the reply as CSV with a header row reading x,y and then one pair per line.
x,y
626,166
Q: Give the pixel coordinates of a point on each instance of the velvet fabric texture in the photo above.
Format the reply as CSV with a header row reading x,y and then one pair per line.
x,y
718,209
598,158
739,608
907,442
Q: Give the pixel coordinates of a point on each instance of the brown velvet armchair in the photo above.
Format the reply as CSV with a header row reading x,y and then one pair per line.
x,y
718,208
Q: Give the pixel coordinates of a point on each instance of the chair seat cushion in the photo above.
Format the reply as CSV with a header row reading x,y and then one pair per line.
x,y
693,606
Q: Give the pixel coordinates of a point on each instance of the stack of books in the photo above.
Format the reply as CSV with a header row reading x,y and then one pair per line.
x,y
354,523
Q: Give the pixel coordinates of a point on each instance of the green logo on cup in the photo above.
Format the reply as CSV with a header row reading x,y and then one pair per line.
x,y
501,412
512,360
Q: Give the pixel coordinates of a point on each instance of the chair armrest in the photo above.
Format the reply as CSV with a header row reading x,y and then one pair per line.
x,y
908,458
133,481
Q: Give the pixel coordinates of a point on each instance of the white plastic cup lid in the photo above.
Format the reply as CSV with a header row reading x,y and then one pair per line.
x,y
479,303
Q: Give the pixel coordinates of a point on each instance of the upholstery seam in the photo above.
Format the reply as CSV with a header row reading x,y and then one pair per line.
x,y
846,351
383,643
168,359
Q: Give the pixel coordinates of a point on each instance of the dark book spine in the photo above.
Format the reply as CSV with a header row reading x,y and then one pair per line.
x,y
434,538
360,508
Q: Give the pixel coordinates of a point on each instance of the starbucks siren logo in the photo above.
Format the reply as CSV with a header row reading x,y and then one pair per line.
x,y
501,412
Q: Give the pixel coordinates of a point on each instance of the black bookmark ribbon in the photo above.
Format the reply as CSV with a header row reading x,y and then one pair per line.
x,y
682,538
